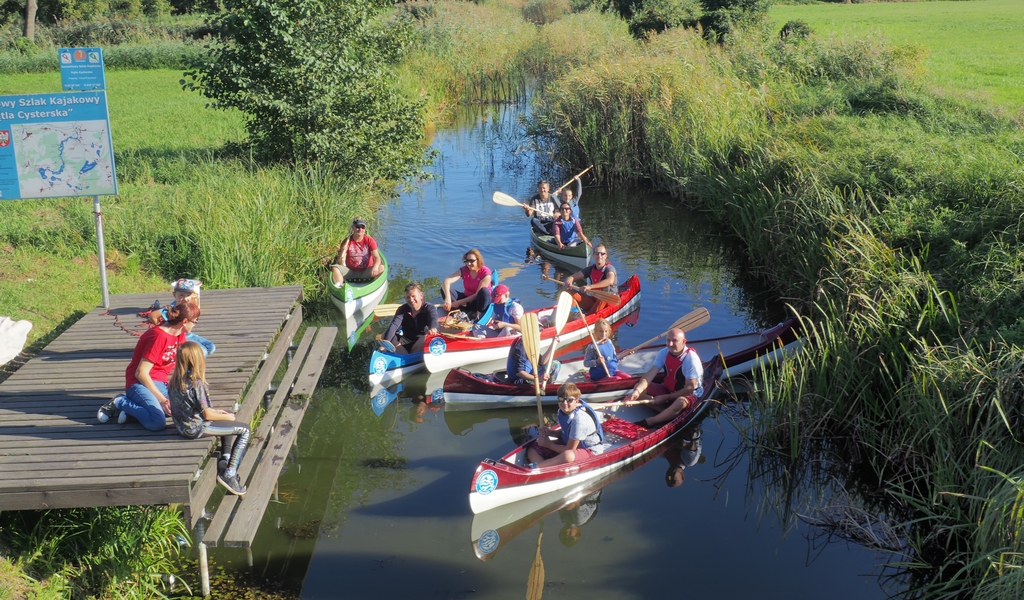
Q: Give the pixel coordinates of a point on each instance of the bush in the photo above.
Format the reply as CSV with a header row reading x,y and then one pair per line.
x,y
796,29
541,12
659,15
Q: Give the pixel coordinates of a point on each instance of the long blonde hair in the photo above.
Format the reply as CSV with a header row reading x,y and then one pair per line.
x,y
190,367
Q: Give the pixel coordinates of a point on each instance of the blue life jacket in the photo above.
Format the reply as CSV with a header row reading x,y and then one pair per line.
x,y
502,312
607,350
568,230
563,421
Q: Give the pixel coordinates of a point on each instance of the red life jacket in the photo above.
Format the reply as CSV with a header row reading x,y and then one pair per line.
x,y
596,274
673,364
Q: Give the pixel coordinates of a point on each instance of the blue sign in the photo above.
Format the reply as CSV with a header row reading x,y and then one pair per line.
x,y
55,145
82,69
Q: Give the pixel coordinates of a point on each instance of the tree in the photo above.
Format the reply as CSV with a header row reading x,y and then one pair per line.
x,y
313,78
30,20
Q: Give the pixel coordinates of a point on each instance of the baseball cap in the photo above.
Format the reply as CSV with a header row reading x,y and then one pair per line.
x,y
500,289
359,222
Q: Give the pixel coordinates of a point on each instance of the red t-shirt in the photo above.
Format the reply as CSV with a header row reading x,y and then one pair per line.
x,y
158,347
359,256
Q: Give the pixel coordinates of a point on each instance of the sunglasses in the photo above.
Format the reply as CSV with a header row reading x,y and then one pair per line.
x,y
469,261
359,226
567,400
601,253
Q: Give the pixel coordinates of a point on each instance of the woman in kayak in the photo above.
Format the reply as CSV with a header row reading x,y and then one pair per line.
x,y
476,283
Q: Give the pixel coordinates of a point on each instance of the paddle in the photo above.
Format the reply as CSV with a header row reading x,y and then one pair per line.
x,y
386,310
562,311
603,296
593,340
572,180
689,321
506,200
531,343
535,584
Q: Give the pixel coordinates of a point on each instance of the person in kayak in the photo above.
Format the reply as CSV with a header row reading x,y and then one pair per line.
x,y
599,276
605,348
682,455
541,209
519,369
507,313
476,281
358,257
574,202
580,432
412,322
568,230
683,383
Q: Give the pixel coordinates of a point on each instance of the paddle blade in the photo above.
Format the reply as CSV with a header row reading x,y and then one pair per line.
x,y
609,297
504,199
531,337
535,585
562,311
692,320
386,310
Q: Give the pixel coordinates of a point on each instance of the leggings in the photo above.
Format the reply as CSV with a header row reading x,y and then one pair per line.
x,y
228,430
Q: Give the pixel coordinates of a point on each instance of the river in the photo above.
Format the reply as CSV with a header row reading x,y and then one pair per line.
x,y
377,506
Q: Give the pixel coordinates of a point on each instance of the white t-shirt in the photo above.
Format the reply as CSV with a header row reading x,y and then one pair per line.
x,y
691,367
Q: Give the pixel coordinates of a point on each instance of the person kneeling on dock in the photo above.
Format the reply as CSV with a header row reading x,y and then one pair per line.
x,y
683,383
195,417
580,432
413,321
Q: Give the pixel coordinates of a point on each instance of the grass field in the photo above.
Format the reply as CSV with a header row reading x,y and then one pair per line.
x,y
975,47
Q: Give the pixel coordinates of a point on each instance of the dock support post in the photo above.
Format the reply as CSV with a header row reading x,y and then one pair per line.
x,y
204,570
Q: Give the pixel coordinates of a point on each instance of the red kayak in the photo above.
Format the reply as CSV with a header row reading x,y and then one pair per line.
x,y
446,351
500,482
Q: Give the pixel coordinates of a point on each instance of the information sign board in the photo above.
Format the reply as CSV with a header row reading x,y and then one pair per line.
x,y
82,69
55,145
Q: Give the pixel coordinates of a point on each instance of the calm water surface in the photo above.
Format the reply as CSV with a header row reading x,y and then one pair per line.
x,y
377,506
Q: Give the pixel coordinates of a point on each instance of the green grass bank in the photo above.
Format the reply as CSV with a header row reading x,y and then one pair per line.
x,y
973,47
887,213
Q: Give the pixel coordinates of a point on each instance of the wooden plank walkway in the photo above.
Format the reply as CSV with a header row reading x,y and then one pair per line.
x,y
53,451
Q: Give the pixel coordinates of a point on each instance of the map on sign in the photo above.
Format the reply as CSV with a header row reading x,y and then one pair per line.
x,y
63,159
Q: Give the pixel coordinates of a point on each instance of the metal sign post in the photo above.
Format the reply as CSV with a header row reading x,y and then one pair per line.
x,y
100,245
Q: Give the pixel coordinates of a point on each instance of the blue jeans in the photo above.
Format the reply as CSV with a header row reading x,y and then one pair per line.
x,y
143,405
208,346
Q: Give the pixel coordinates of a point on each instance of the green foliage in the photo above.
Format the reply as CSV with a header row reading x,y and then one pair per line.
x,y
159,55
313,78
659,15
796,28
541,12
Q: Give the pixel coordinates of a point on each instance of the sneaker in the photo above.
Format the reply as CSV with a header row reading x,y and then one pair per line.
x,y
108,411
125,418
233,485
222,463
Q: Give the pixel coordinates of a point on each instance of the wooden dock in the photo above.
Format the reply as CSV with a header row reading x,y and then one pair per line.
x,y
53,451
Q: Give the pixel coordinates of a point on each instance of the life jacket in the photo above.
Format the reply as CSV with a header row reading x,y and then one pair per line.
x,y
563,421
607,350
503,312
597,274
567,230
673,364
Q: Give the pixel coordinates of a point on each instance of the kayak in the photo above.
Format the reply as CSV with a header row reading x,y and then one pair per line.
x,y
360,293
464,390
390,367
510,479
578,256
360,320
446,351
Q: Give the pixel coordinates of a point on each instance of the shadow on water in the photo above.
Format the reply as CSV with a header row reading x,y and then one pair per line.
x,y
374,503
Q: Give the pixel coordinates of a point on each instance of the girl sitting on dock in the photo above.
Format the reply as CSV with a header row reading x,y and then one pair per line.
x,y
195,417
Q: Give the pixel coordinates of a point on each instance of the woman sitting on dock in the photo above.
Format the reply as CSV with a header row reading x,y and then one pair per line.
x,y
145,397
195,417
476,281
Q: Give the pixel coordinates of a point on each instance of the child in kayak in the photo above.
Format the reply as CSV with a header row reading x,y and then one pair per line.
x,y
605,348
580,436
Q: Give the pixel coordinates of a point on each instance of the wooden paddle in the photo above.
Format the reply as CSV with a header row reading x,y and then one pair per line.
x,y
506,200
572,180
689,321
562,312
603,296
531,343
535,584
593,340
386,310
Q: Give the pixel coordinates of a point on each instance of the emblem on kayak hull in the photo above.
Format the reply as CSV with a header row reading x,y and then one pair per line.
x,y
438,346
488,541
380,365
381,399
349,296
487,482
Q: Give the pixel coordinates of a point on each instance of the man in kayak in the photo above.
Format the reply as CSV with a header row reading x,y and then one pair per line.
x,y
568,230
507,313
519,369
600,275
541,209
412,322
358,257
683,383
580,432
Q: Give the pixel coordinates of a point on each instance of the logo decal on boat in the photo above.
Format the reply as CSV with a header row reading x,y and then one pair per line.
x,y
349,296
380,365
487,482
381,399
488,541
438,346
438,396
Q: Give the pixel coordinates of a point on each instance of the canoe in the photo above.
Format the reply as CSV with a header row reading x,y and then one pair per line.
x,y
450,351
578,256
509,479
464,390
355,295
360,320
390,367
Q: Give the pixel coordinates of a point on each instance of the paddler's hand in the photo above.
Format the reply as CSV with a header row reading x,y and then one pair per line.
x,y
431,331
